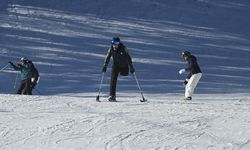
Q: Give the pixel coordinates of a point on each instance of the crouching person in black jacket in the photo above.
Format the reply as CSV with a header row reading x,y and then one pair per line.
x,y
122,63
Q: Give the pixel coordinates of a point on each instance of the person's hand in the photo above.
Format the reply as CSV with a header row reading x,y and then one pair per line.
x,y
20,65
10,62
185,82
104,69
182,71
132,70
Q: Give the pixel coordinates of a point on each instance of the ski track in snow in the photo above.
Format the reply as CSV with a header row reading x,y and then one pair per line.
x,y
165,122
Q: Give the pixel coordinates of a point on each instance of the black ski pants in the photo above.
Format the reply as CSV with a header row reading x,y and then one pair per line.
x,y
25,87
114,76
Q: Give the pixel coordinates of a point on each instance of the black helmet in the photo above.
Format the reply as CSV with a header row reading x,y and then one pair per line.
x,y
186,54
116,41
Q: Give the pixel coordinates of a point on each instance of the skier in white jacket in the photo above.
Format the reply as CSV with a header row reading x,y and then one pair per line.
x,y
194,75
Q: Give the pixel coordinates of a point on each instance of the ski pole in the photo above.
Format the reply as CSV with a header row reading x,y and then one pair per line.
x,y
98,96
143,99
16,80
38,91
4,67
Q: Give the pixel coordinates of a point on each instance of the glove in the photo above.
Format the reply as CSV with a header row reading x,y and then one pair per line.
x,y
11,63
185,82
132,70
182,71
104,69
20,65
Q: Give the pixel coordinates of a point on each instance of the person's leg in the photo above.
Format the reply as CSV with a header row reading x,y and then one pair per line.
x,y
21,87
192,83
113,81
27,89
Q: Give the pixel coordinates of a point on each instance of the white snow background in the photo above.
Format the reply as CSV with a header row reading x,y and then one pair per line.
x,y
67,40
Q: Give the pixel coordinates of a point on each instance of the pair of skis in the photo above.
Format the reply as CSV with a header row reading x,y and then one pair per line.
x,y
103,74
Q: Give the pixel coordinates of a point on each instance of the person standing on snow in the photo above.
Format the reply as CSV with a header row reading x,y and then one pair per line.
x,y
194,75
26,74
122,63
35,75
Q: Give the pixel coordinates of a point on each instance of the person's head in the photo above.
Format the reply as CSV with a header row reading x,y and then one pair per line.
x,y
186,55
24,60
115,42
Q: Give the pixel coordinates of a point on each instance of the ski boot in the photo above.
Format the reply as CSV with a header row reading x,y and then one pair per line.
x,y
112,99
188,98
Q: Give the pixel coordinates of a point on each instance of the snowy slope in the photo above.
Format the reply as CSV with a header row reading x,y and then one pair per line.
x,y
68,40
217,122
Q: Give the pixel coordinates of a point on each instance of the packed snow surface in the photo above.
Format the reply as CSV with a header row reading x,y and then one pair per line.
x,y
165,122
68,40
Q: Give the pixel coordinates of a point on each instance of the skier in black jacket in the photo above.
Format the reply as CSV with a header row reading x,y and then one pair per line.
x,y
194,75
34,75
122,63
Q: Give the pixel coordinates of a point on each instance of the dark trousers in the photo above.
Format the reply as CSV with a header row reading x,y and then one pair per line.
x,y
25,87
114,75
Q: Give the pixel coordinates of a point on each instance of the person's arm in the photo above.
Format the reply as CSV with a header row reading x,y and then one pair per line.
x,y
19,67
106,60
35,75
191,62
131,67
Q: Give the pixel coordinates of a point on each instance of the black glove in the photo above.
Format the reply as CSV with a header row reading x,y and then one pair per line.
x,y
132,70
104,69
19,65
11,63
185,82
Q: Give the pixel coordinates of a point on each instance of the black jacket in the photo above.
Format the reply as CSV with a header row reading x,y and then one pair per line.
x,y
193,66
25,70
121,57
34,71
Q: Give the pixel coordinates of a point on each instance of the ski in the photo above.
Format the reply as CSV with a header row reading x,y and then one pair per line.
x,y
114,101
